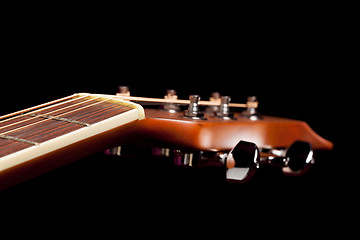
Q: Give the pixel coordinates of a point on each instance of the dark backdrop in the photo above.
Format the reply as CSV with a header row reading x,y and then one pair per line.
x,y
296,73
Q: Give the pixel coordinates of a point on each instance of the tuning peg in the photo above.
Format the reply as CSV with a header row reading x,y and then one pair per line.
x,y
242,162
300,156
123,91
171,94
294,160
215,98
251,111
245,158
171,107
193,111
224,109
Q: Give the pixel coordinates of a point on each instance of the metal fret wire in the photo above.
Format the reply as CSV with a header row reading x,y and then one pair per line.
x,y
57,116
41,109
61,119
16,139
40,115
29,111
90,113
32,108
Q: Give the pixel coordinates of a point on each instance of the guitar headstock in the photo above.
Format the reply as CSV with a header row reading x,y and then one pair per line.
x,y
198,132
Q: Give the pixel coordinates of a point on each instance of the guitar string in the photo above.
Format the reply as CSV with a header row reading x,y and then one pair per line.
x,y
89,115
29,125
42,109
35,107
85,115
32,124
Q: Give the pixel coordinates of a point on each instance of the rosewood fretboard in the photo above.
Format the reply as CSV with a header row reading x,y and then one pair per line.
x,y
40,130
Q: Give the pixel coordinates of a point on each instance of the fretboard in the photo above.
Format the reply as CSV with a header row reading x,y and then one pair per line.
x,y
40,130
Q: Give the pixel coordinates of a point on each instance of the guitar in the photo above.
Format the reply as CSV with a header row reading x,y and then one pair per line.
x,y
195,133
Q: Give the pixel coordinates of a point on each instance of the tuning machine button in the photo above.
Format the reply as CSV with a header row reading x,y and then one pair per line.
x,y
299,156
193,110
242,162
245,158
295,160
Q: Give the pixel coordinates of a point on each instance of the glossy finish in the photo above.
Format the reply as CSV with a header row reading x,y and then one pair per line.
x,y
173,130
299,155
195,137
246,159
193,111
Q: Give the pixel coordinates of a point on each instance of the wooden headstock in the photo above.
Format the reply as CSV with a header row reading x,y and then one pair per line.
x,y
198,132
212,126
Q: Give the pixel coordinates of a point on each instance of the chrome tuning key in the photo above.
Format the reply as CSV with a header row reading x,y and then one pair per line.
x,y
246,158
297,160
224,109
123,91
251,112
242,162
171,107
215,98
193,111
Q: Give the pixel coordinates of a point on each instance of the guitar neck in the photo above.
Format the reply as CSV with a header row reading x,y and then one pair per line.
x,y
42,138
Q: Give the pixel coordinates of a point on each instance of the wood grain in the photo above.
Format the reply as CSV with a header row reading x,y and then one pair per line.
x,y
172,130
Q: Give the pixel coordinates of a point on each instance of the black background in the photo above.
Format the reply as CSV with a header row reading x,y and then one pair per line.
x,y
297,70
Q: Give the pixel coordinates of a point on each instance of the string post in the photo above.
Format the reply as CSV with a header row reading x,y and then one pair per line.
x,y
193,111
123,91
214,99
171,107
224,109
251,111
171,94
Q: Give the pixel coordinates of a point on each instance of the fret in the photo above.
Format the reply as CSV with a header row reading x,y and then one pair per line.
x,y
95,110
60,119
67,112
48,127
18,139
36,107
14,121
